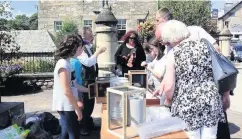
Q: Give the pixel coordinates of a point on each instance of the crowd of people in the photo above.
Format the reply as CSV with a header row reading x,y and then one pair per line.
x,y
179,68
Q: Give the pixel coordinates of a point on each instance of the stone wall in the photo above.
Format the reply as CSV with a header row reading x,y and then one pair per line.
x,y
132,10
41,81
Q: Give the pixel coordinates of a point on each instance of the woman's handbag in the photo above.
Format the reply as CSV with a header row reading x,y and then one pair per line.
x,y
224,72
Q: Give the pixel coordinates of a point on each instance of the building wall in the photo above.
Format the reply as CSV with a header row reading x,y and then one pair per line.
x,y
132,10
234,18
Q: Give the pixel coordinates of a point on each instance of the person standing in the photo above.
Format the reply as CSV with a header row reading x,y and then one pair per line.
x,y
196,33
188,83
130,54
88,60
65,89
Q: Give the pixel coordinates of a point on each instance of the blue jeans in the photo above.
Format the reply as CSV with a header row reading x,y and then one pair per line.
x,y
69,125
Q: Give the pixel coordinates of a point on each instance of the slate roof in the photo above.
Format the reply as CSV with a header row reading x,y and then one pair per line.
x,y
233,7
34,41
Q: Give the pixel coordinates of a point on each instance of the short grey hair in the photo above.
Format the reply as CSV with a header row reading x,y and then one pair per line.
x,y
174,31
165,13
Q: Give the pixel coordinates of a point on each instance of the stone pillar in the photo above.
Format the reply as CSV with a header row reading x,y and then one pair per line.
x,y
106,36
224,41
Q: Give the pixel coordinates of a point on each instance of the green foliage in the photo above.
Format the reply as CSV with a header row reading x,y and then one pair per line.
x,y
33,22
7,44
68,27
38,66
191,12
20,22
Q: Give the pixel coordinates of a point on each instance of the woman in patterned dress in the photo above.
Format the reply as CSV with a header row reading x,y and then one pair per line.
x,y
188,82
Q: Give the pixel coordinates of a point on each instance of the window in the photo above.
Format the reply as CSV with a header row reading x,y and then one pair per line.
x,y
57,25
121,26
226,23
88,23
236,36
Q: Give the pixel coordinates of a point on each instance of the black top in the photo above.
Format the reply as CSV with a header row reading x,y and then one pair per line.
x,y
123,50
89,74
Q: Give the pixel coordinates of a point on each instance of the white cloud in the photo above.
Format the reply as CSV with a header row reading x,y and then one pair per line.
x,y
19,12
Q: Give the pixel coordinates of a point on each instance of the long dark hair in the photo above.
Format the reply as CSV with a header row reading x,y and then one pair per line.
x,y
68,46
125,38
155,42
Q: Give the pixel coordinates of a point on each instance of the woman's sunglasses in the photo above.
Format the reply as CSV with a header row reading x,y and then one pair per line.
x,y
132,38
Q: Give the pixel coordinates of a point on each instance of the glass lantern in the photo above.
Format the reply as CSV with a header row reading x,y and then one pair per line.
x,y
126,107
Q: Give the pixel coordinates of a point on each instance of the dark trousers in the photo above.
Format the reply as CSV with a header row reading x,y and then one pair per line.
x,y
70,128
223,129
87,121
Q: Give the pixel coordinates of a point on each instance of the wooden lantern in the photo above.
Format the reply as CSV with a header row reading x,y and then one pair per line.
x,y
101,85
138,77
126,107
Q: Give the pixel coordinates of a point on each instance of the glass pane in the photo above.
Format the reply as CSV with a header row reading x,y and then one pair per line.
x,y
124,21
123,27
119,21
121,33
115,113
119,27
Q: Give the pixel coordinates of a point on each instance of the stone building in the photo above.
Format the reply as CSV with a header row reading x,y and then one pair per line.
x,y
232,19
129,13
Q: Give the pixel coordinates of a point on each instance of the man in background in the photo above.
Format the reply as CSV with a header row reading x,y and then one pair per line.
x,y
88,60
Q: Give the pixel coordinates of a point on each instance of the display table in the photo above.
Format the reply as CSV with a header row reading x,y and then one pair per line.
x,y
104,134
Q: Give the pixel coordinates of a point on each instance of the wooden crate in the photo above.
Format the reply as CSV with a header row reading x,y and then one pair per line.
x,y
138,77
101,85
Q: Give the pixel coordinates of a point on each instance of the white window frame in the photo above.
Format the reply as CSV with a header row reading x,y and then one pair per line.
x,y
122,24
87,23
58,25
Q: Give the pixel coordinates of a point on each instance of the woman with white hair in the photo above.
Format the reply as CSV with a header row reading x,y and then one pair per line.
x,y
188,82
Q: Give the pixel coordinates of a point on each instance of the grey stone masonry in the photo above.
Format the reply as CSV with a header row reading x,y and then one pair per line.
x,y
131,10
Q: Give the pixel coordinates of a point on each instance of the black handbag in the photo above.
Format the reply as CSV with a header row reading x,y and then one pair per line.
x,y
224,72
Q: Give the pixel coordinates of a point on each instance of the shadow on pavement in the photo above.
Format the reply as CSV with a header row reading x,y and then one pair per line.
x,y
233,128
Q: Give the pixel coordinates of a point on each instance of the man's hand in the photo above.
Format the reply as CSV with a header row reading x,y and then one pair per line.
x,y
101,50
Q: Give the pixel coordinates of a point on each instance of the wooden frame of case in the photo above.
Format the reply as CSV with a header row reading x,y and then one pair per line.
x,y
138,72
124,97
89,91
101,99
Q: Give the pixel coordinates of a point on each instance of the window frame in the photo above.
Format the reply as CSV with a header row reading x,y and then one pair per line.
x,y
57,26
88,24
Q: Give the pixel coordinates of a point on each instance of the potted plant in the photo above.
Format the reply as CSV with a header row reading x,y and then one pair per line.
x,y
146,29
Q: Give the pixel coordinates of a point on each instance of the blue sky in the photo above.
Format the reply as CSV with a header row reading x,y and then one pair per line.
x,y
28,7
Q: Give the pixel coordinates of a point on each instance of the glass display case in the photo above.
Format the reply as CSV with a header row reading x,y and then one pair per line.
x,y
126,108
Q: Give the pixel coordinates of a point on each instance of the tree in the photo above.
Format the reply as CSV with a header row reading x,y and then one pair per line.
x,y
190,12
7,45
68,27
33,22
21,22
